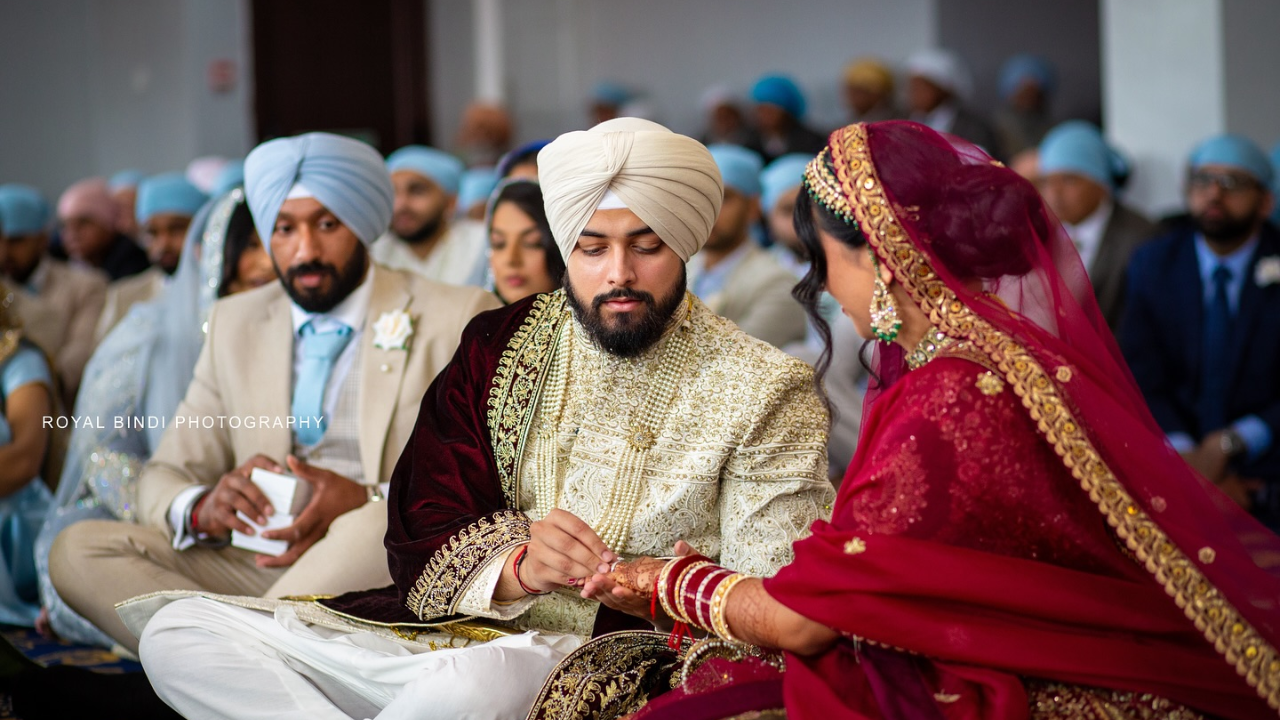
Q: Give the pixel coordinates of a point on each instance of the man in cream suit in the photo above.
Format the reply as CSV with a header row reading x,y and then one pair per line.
x,y
319,377
733,275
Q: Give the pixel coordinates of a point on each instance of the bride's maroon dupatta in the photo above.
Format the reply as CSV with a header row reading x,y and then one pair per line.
x,y
1013,516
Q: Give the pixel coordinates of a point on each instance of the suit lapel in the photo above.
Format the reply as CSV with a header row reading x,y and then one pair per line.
x,y
381,371
1251,302
270,369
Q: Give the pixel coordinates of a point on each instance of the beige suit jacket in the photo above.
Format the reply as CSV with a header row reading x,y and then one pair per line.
x,y
74,295
245,371
124,294
757,296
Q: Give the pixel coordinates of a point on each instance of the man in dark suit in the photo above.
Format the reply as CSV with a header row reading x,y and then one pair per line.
x,y
1201,330
1081,176
938,87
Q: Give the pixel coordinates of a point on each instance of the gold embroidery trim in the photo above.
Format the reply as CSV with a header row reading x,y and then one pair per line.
x,y
452,567
1222,624
990,384
516,384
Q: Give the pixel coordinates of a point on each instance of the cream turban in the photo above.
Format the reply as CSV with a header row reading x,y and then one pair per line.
x,y
669,181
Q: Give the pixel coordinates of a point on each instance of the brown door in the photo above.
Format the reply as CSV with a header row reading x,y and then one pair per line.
x,y
354,68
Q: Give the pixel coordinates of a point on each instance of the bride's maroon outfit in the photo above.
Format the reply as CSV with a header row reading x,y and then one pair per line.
x,y
1013,538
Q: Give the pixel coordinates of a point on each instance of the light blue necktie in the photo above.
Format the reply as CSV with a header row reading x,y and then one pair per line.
x,y
319,350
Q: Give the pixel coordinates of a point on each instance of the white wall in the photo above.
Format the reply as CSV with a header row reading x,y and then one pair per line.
x,y
1163,89
672,49
1251,66
94,86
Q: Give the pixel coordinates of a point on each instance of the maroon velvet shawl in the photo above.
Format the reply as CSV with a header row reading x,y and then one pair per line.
x,y
448,479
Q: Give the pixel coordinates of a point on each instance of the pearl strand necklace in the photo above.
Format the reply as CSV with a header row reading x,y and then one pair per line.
x,y
628,485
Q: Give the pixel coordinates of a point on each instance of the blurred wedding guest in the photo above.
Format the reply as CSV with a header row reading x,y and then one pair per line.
x,y
352,343
1027,83
71,296
938,87
734,276
1201,329
779,184
27,397
166,205
1027,164
231,176
425,237
523,257
868,91
606,101
1081,177
141,370
474,190
124,190
522,162
484,134
87,218
203,172
1275,184
725,121
779,109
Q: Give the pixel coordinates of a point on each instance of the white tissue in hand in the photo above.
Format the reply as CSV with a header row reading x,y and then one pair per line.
x,y
257,543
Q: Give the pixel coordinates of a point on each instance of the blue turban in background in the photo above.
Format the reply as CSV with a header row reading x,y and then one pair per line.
x,y
1021,68
525,153
782,91
739,168
476,187
607,92
1236,151
23,211
346,176
780,176
231,176
124,179
168,193
1077,147
438,166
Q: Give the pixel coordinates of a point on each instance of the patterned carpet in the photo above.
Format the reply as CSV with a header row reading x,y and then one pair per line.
x,y
56,652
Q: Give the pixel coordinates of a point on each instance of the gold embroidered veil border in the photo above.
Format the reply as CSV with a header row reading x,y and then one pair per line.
x,y
1222,624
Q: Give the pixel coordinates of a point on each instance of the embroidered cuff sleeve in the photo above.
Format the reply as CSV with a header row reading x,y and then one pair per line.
x,y
460,562
477,597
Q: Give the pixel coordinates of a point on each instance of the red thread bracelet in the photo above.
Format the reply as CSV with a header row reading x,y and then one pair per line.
x,y
515,566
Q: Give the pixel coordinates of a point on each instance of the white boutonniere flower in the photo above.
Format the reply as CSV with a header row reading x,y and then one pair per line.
x,y
1267,272
393,330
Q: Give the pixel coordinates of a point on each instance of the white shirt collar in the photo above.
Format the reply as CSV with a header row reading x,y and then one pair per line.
x,y
1087,234
39,276
940,118
350,312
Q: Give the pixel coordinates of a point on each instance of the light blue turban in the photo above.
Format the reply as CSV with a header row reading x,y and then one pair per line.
x,y
346,176
231,176
607,92
1077,147
23,211
739,168
1236,151
168,193
1021,68
441,167
476,187
780,176
782,91
124,179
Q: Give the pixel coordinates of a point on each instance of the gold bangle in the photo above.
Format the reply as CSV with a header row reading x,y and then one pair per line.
x,y
720,601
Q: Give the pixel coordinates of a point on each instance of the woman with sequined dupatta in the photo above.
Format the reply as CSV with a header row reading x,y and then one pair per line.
x,y
136,378
28,396
1013,538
